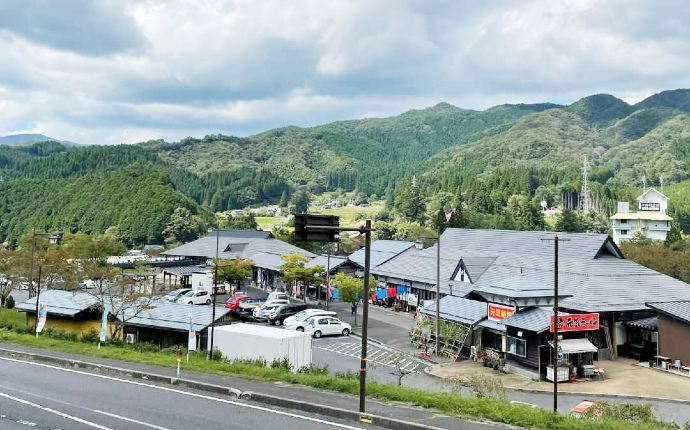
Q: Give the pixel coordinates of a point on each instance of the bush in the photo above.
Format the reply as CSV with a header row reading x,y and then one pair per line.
x,y
257,362
92,336
349,375
314,369
9,302
283,363
143,347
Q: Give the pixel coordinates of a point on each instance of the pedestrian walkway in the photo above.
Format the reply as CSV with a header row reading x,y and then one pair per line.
x,y
623,378
377,355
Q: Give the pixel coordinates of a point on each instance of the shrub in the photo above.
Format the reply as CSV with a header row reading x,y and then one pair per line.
x,y
479,386
347,375
216,355
314,369
9,302
257,362
143,347
281,363
92,336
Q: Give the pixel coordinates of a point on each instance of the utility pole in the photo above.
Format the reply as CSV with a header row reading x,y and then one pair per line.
x,y
328,273
215,291
365,318
555,241
32,293
438,294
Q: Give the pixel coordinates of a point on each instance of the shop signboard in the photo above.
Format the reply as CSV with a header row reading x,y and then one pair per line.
x,y
498,312
576,322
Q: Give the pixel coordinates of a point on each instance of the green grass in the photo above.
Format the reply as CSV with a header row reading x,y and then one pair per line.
x,y
447,403
350,215
267,223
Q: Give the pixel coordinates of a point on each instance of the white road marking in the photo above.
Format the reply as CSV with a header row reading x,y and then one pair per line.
x,y
171,390
376,355
53,411
120,417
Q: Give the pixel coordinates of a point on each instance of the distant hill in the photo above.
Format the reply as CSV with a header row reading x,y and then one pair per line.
x,y
17,139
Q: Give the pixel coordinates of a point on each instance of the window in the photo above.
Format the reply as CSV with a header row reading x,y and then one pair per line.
x,y
650,206
517,346
624,232
624,221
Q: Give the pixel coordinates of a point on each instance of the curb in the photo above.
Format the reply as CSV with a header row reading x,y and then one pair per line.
x,y
581,393
329,411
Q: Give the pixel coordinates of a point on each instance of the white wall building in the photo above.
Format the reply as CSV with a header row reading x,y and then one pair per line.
x,y
649,221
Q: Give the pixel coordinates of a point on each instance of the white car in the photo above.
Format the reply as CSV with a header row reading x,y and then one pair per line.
x,y
262,312
198,297
323,326
277,295
299,321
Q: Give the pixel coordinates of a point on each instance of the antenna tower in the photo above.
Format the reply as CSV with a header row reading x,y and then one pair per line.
x,y
584,193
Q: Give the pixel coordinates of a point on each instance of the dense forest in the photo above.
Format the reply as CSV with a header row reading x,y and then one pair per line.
x,y
496,165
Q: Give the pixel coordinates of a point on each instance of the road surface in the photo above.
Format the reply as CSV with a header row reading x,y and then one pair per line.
x,y
47,397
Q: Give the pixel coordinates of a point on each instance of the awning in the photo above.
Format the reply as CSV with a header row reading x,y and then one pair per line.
x,y
493,325
644,323
575,346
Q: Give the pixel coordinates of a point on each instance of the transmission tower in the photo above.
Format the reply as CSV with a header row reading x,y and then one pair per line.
x,y
584,193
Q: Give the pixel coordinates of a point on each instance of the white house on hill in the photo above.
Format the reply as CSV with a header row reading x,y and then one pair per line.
x,y
649,221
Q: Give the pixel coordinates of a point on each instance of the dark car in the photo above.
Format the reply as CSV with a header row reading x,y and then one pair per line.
x,y
284,311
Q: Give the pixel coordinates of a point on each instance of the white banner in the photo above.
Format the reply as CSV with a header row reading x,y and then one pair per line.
x,y
42,316
191,341
412,299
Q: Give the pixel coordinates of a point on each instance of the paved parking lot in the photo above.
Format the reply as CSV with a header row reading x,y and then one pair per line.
x,y
376,355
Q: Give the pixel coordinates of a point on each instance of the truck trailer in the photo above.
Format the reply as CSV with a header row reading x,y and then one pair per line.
x,y
251,341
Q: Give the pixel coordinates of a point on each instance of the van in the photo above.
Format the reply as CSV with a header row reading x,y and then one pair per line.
x,y
278,316
277,295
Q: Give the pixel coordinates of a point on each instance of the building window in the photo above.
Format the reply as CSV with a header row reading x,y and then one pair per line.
x,y
650,206
624,221
624,232
517,346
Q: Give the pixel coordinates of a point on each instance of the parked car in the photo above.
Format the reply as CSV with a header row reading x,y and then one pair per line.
x,y
277,295
233,303
173,296
198,297
263,312
247,304
323,326
283,311
299,322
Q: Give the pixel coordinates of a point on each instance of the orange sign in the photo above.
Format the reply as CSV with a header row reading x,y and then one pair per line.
x,y
499,312
576,322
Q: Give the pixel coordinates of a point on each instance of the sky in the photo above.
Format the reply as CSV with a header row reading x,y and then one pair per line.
x,y
126,71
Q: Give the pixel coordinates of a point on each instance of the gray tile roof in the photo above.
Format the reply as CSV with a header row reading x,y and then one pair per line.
x,y
381,251
184,270
267,261
234,244
679,310
493,325
649,323
533,319
518,286
173,316
419,266
322,260
61,302
457,309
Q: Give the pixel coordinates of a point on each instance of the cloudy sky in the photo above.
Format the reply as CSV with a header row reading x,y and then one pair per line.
x,y
125,71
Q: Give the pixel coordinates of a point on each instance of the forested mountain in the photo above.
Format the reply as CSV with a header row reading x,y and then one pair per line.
x,y
15,139
482,158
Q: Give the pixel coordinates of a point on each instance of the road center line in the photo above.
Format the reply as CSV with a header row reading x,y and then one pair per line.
x,y
172,390
53,411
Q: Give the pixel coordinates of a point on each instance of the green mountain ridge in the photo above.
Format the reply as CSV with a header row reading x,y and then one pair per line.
x,y
532,149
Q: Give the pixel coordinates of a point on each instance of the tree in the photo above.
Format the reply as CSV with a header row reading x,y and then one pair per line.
x,y
350,288
234,271
569,221
295,273
458,218
284,199
673,236
183,226
526,215
411,204
439,223
241,222
301,200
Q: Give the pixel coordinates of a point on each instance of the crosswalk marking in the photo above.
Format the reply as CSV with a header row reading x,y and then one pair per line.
x,y
380,356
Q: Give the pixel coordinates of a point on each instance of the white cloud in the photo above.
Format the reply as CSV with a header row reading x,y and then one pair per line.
x,y
111,72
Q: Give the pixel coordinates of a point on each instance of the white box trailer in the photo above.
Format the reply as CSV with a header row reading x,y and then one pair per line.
x,y
251,341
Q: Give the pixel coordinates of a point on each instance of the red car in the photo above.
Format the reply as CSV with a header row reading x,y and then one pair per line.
x,y
233,302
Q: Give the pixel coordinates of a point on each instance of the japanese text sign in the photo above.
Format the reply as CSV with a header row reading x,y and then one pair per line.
x,y
499,312
576,322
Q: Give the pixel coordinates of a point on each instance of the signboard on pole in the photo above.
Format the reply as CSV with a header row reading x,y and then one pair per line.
x,y
191,341
576,322
42,316
104,323
498,312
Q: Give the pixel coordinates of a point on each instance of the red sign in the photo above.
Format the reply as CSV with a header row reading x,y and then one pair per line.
x,y
576,322
499,312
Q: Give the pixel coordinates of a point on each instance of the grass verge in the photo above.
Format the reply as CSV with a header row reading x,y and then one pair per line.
x,y
447,403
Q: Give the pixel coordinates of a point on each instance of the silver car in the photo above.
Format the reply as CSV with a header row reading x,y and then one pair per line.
x,y
264,311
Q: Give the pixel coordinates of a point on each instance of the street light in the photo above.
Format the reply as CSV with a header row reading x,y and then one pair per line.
x,y
419,245
215,293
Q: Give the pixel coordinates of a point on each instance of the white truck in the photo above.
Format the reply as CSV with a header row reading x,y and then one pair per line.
x,y
251,341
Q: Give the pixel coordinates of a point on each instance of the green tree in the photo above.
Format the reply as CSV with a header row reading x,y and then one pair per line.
x,y
439,223
411,204
526,214
350,289
294,272
673,236
284,199
241,222
569,221
234,270
301,200
458,218
183,227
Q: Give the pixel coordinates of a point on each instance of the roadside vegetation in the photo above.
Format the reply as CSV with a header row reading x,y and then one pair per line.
x,y
490,405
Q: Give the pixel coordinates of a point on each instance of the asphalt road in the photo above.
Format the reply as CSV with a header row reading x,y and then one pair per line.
x,y
46,397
